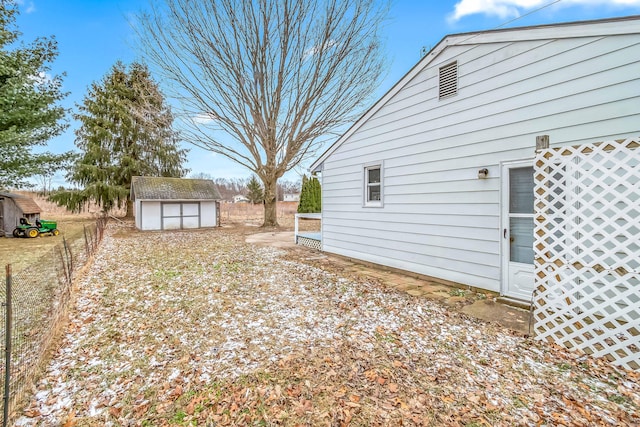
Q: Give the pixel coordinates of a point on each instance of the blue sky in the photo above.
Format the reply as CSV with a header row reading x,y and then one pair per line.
x,y
93,34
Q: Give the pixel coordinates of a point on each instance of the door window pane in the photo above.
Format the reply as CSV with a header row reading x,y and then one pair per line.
x,y
190,209
521,240
521,190
171,209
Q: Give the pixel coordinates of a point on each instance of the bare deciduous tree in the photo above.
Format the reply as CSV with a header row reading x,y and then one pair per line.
x,y
265,82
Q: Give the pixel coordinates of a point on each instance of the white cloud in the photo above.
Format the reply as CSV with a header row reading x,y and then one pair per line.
x,y
317,49
513,8
41,78
203,118
27,6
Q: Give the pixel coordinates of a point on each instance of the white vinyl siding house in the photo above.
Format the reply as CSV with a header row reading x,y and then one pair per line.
x,y
476,101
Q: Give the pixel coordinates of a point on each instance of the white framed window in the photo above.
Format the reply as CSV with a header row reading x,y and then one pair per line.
x,y
373,185
448,80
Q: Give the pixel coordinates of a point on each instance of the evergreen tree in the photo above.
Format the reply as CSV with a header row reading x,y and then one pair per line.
x,y
317,195
29,114
254,190
126,130
310,196
303,204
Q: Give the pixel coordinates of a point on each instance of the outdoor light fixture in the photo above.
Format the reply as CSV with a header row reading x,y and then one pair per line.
x,y
483,173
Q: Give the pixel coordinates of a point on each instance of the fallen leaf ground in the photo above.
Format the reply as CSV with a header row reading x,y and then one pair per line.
x,y
201,328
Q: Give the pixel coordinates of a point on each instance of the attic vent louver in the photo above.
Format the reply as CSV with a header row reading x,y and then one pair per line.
x,y
448,80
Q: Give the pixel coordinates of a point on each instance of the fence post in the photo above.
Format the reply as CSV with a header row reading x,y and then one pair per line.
x,y
86,240
7,348
64,265
99,229
67,251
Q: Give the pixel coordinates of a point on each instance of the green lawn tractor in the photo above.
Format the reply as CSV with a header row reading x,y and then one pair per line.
x,y
26,229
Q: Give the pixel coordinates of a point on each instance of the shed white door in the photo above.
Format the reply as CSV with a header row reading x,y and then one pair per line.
x,y
517,230
176,216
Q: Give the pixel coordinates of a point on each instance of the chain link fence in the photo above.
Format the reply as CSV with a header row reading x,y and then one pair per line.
x,y
34,304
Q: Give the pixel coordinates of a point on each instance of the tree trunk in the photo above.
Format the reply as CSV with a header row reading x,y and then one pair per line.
x,y
129,213
270,213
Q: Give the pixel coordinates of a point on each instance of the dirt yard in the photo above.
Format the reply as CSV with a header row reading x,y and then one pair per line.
x,y
201,328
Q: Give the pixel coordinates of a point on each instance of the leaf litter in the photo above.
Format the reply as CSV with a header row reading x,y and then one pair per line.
x,y
201,328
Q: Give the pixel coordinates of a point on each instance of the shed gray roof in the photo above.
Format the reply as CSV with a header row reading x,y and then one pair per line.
x,y
161,188
26,204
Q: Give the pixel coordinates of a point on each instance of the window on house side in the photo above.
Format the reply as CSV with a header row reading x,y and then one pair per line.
x,y
448,80
373,185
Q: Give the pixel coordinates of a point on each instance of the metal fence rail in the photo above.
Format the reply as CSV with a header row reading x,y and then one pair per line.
x,y
34,303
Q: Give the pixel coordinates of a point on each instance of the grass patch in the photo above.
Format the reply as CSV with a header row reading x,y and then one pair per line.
x,y
456,292
616,398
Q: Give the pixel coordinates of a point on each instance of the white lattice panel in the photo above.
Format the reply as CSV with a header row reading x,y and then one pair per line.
x,y
309,242
587,246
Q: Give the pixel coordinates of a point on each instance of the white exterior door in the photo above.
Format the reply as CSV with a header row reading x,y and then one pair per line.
x,y
517,230
176,216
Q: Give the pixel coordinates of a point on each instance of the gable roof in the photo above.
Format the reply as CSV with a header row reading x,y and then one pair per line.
x,y
162,188
600,27
26,204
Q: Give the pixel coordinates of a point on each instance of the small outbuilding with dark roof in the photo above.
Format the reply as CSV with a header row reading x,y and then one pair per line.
x,y
174,203
12,208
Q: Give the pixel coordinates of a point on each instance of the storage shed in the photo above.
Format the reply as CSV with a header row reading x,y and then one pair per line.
x,y
174,203
12,208
437,176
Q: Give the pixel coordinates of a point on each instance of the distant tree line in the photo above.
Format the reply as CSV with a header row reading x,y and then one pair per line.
x,y
229,187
